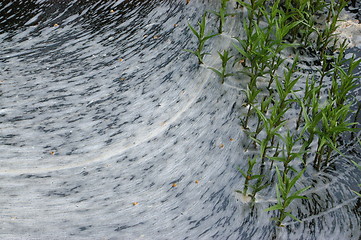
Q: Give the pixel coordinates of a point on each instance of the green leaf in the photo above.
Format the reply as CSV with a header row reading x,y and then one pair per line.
x,y
244,4
358,194
273,208
357,165
194,31
242,172
214,12
240,50
294,180
216,71
261,115
210,36
256,176
259,188
293,217
280,159
278,194
187,50
256,140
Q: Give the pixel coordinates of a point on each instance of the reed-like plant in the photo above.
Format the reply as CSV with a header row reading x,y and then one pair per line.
x,y
222,14
264,105
254,53
222,73
308,100
302,11
251,100
310,119
343,80
333,124
337,110
249,175
202,38
278,23
253,10
271,126
285,196
323,112
288,154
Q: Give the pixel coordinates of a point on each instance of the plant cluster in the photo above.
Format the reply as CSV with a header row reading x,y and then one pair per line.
x,y
286,146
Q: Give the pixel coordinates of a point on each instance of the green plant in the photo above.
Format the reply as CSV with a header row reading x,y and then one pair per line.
x,y
333,124
278,22
202,38
311,118
285,197
302,11
287,153
254,52
222,72
249,175
222,14
271,126
253,10
343,81
251,99
273,30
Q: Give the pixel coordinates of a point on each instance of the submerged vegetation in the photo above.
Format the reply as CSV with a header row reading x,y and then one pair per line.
x,y
275,38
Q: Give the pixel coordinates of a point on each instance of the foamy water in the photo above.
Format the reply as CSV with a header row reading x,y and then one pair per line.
x,y
110,131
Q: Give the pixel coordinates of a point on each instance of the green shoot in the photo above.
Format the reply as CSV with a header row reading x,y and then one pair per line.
x,y
202,38
272,32
222,72
285,197
222,14
249,175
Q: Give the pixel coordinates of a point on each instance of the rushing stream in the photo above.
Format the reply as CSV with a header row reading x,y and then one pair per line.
x,y
108,130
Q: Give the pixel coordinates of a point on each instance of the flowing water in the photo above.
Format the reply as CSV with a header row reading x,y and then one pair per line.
x,y
108,130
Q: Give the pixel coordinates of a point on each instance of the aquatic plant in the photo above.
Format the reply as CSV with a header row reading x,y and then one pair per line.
x,y
254,52
222,72
273,30
222,14
202,38
249,176
284,195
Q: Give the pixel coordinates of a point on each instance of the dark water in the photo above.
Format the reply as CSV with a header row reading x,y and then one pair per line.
x,y
102,112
